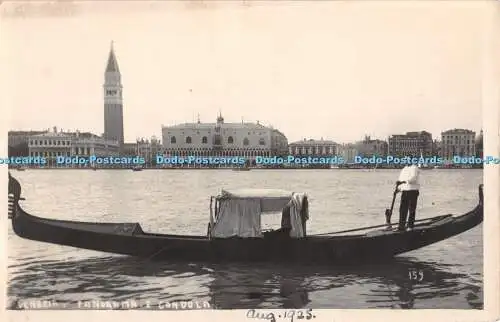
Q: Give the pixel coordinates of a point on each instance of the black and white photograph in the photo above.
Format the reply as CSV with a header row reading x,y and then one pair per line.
x,y
272,158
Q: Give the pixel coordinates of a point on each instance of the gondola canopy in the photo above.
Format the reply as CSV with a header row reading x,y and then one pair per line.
x,y
271,200
238,212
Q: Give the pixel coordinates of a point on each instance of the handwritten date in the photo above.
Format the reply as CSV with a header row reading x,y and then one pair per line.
x,y
290,315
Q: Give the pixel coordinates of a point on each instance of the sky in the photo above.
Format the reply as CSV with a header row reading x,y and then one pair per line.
x,y
332,70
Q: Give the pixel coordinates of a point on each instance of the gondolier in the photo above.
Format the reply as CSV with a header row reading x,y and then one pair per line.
x,y
409,185
286,221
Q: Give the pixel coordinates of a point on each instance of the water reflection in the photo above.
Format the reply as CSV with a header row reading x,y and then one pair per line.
x,y
402,283
238,287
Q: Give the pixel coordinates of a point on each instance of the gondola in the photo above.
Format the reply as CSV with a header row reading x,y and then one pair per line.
x,y
234,233
245,167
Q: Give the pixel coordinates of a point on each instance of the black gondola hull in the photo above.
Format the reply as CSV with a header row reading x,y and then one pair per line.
x,y
130,239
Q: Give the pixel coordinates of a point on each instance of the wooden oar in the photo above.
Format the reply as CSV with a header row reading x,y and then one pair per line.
x,y
431,219
388,212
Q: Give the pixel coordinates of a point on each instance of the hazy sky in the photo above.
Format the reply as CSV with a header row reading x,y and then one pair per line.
x,y
336,70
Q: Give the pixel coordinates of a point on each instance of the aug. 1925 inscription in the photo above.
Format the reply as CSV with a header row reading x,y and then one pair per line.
x,y
289,315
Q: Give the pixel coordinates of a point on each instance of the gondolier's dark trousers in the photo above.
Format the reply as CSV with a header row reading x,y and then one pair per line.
x,y
408,204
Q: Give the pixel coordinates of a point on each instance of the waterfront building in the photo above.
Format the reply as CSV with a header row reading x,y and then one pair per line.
x,y
313,148
348,151
479,145
129,149
223,139
18,142
148,149
372,147
51,145
458,142
412,144
436,148
113,101
16,138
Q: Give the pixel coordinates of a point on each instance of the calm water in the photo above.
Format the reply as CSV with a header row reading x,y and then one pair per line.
x,y
176,201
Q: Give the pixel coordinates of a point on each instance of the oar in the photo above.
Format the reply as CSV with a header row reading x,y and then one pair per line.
x,y
388,212
379,226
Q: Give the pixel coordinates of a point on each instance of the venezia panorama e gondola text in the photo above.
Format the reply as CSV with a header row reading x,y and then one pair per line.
x,y
113,305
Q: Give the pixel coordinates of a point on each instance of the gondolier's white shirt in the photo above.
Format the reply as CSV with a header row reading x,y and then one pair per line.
x,y
411,175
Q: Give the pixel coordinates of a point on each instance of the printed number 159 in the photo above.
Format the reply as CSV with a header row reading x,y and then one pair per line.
x,y
416,275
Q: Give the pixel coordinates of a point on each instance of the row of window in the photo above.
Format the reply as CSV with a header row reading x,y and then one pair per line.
x,y
449,141
453,149
312,150
50,142
82,151
184,148
223,132
458,136
219,154
179,152
49,154
409,148
450,156
204,140
410,143
446,140
468,142
411,153
299,146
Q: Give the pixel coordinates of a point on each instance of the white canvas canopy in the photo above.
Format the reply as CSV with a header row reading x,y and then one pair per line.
x,y
271,200
239,211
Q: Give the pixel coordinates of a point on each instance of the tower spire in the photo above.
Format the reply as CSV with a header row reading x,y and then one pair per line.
x,y
112,65
113,100
220,119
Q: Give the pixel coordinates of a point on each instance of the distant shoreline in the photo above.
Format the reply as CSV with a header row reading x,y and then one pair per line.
x,y
235,169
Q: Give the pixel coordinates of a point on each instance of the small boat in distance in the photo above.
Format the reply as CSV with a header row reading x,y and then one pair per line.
x,y
234,233
21,169
424,166
137,168
245,167
241,169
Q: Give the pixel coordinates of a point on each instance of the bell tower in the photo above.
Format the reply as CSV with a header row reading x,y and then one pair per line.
x,y
113,100
217,137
